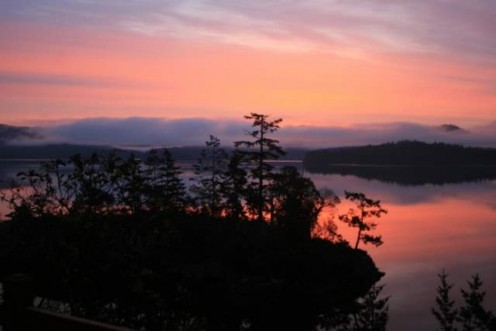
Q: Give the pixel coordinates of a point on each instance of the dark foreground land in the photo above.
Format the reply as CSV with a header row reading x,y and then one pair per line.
x,y
167,272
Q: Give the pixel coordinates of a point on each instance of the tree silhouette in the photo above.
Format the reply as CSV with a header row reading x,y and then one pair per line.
x,y
366,209
209,176
51,191
234,187
445,313
296,203
129,180
374,311
165,190
256,153
116,239
473,315
94,193
369,313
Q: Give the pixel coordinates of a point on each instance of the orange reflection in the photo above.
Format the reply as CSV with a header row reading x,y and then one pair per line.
x,y
420,240
440,230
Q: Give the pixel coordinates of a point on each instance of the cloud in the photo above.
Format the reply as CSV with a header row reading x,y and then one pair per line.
x,y
488,129
454,28
377,133
7,77
194,131
142,131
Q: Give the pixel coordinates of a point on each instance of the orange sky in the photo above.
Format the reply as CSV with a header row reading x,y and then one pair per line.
x,y
51,71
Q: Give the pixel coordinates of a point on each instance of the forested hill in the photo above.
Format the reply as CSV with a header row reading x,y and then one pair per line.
x,y
403,153
64,151
49,151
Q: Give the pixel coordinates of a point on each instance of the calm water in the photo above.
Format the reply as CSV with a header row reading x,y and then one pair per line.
x,y
428,228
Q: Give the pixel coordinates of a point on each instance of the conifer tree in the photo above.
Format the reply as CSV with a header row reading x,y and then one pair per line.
x,y
165,190
130,181
257,152
473,315
445,313
374,311
234,187
209,171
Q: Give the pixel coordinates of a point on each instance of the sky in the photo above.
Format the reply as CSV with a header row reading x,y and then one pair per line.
x,y
321,63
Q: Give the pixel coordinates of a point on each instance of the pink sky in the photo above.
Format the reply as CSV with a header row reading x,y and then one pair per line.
x,y
313,63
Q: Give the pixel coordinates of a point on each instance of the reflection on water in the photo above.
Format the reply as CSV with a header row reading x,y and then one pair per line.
x,y
428,228
412,175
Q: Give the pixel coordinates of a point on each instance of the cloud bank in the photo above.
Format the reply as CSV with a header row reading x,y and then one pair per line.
x,y
194,131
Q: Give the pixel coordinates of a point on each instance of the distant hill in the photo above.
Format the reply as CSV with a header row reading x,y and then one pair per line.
x,y
50,151
402,153
451,128
407,163
64,151
10,133
192,153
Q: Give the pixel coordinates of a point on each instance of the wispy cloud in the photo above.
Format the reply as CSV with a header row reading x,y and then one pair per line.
x,y
7,77
397,60
458,28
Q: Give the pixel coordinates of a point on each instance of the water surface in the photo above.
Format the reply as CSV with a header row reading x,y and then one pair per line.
x,y
428,228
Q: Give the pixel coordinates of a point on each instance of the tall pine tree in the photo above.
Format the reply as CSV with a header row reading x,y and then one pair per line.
x,y
257,152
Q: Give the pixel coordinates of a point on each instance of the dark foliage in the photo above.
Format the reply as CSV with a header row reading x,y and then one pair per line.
x,y
296,203
445,312
471,316
360,218
234,187
256,153
209,178
116,238
374,311
164,189
164,272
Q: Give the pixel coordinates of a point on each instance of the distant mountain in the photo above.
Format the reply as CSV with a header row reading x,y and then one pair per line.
x,y
402,153
451,128
10,133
